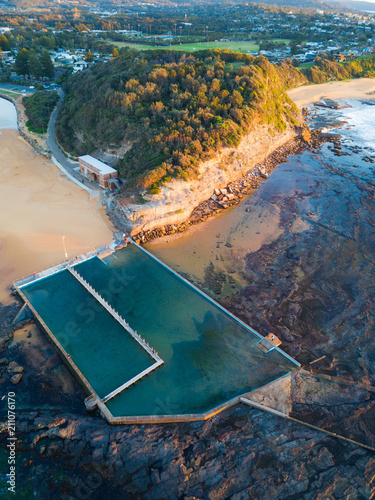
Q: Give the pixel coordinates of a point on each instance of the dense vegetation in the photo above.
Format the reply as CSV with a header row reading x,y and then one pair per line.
x,y
29,63
174,109
38,108
325,70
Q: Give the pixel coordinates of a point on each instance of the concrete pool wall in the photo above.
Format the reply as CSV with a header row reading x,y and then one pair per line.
x,y
94,401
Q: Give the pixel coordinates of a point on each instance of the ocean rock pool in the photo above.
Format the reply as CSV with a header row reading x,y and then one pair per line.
x,y
209,356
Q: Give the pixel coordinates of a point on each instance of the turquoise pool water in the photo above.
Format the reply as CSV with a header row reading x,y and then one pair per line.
x,y
104,352
208,356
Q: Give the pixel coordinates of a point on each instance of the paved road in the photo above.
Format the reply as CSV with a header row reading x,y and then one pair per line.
x,y
70,166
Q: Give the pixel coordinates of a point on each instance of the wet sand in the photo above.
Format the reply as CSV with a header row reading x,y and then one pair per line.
x,y
38,206
360,88
224,240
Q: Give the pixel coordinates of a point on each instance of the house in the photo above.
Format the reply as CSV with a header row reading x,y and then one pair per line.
x,y
341,57
98,171
79,66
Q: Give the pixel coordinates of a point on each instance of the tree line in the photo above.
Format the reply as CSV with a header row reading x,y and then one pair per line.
x,y
38,108
325,69
29,63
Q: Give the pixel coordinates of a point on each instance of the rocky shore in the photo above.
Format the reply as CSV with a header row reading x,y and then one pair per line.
x,y
314,288
241,454
232,193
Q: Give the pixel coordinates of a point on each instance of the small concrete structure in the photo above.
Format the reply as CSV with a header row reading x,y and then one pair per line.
x,y
98,171
273,339
24,314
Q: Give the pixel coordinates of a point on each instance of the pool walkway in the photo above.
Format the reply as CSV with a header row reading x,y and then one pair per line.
x,y
126,326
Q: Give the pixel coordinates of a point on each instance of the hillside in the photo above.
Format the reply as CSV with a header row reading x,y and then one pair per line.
x,y
325,70
172,111
356,4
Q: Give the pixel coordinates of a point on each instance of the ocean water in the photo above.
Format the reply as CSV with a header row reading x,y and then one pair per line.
x,y
360,118
8,115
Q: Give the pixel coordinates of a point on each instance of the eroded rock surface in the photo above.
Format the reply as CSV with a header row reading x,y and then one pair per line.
x,y
240,454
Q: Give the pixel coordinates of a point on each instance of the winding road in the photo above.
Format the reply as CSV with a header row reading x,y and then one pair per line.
x,y
68,167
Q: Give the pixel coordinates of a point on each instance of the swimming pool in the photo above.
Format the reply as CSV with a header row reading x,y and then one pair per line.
x,y
209,356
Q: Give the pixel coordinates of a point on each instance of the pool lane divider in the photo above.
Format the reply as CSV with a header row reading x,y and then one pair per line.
x,y
126,326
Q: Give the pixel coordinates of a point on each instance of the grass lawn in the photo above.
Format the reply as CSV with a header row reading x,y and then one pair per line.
x,y
235,46
136,46
285,40
12,93
306,65
191,47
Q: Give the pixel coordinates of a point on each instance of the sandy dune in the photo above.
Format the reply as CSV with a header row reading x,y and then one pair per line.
x,y
358,88
38,206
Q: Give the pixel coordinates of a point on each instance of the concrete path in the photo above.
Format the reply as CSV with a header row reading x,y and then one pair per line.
x,y
127,328
276,413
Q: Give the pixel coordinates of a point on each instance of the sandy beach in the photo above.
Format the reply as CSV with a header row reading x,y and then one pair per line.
x,y
38,206
358,88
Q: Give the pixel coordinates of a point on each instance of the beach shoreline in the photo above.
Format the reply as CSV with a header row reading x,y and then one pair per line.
x,y
38,206
36,141
302,96
359,88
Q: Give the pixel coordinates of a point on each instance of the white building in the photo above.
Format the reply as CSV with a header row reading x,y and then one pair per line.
x,y
98,171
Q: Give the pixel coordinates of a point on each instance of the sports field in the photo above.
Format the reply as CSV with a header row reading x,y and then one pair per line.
x,y
191,47
244,47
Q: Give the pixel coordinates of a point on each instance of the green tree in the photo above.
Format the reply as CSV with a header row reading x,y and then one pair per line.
x,y
4,43
89,57
293,48
22,63
47,65
35,66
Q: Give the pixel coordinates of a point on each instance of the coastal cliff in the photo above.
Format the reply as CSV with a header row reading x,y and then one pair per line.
x,y
177,126
178,199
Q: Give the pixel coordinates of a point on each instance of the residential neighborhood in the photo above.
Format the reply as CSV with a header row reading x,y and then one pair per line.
x,y
276,33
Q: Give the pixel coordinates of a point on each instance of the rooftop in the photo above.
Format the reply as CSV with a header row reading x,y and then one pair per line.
x,y
102,167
